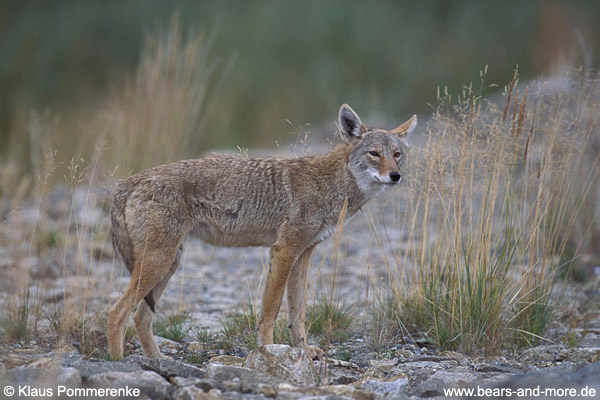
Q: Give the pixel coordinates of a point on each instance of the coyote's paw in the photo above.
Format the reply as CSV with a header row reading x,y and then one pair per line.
x,y
313,352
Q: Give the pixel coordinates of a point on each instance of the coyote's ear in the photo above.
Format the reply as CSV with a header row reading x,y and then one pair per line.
x,y
402,131
350,124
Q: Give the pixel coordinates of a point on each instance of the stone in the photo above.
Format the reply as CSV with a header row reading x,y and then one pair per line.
x,y
195,347
240,396
539,354
429,388
393,388
456,378
36,376
379,368
150,383
249,378
41,363
204,384
166,367
351,392
496,367
167,346
581,355
15,360
419,376
2,368
234,385
587,376
193,393
87,369
228,360
267,390
287,363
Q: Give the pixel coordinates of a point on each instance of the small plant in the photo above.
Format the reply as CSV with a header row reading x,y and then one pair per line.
x,y
385,320
343,354
330,320
197,358
173,326
18,310
241,325
204,338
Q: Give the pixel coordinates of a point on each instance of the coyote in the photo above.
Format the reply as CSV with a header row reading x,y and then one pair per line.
x,y
290,205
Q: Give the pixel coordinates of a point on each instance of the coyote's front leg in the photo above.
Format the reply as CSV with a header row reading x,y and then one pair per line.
x,y
283,256
297,291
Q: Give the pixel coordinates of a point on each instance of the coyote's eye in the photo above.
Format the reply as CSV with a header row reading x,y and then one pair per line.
x,y
397,154
374,153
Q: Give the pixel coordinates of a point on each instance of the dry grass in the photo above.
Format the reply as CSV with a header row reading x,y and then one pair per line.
x,y
497,194
160,113
500,199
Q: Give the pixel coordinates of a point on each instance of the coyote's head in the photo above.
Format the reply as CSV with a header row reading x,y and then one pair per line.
x,y
376,154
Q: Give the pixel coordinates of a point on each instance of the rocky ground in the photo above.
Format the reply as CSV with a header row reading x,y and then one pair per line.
x,y
68,264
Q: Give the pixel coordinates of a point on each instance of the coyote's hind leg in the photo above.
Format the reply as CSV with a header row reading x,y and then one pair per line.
x,y
149,270
143,316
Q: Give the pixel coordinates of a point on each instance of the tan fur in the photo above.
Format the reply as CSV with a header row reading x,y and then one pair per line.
x,y
288,204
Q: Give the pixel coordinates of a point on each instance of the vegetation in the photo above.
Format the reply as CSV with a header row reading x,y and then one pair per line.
x,y
174,326
499,210
281,71
330,320
499,193
240,327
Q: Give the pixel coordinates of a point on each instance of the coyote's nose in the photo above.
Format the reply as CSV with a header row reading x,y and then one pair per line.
x,y
395,176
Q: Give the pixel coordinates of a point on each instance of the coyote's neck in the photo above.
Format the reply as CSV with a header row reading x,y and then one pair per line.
x,y
341,180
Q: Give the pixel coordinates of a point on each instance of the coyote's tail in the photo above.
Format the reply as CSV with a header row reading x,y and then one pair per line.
x,y
120,235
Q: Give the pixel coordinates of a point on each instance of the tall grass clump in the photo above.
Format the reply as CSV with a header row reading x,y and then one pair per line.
x,y
160,112
498,193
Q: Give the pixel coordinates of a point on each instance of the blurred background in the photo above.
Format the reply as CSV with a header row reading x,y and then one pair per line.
x,y
251,72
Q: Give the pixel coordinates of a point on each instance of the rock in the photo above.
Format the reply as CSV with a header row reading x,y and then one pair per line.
x,y
351,392
539,354
2,368
195,347
228,360
193,393
148,382
188,393
434,386
39,377
419,376
167,346
379,368
240,396
204,384
588,376
287,363
580,355
496,367
429,388
15,360
234,385
343,392
166,367
456,378
392,388
87,369
267,390
41,363
249,378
